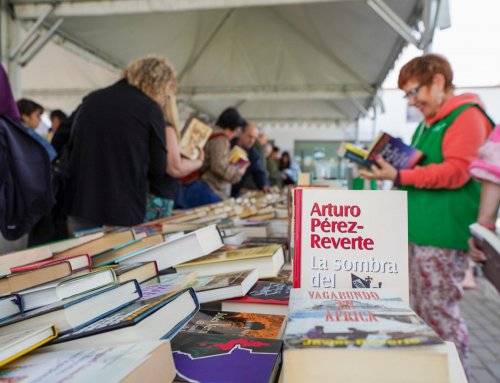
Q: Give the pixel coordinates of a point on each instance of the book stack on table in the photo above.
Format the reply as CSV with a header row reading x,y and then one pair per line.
x,y
207,296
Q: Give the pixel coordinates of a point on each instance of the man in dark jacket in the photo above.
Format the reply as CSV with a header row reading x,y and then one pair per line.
x,y
256,175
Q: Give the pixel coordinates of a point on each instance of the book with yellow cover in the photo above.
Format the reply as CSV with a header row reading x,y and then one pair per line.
x,y
266,259
194,137
238,156
17,344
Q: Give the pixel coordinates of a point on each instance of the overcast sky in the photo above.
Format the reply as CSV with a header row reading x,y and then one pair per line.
x,y
472,44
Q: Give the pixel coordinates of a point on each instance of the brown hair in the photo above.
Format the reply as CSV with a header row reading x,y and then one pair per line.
x,y
154,76
423,69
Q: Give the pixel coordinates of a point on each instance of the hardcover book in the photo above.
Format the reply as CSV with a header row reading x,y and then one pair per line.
x,y
20,281
237,324
139,362
393,150
341,241
224,286
225,358
68,287
108,257
268,260
194,137
76,312
77,263
146,319
15,345
24,257
265,297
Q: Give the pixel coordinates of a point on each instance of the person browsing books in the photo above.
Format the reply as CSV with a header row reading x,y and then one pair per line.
x,y
218,173
256,175
443,199
120,144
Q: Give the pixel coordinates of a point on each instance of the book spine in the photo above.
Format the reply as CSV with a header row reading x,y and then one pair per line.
x,y
297,237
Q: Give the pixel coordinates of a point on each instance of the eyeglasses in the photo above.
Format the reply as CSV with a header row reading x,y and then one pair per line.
x,y
412,93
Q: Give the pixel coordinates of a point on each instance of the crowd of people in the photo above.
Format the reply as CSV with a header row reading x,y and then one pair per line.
x,y
116,161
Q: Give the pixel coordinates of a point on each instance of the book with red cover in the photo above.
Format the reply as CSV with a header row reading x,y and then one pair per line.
x,y
266,293
77,263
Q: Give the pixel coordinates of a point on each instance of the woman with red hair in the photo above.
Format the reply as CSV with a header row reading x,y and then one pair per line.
x,y
443,199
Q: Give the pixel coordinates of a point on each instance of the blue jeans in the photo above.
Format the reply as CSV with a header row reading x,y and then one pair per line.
x,y
198,193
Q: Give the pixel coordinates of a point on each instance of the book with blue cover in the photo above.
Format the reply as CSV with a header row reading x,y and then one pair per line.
x,y
78,311
144,320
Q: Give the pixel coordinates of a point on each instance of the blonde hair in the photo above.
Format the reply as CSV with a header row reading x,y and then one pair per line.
x,y
154,76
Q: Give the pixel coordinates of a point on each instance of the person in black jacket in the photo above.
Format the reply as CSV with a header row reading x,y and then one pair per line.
x,y
256,175
118,144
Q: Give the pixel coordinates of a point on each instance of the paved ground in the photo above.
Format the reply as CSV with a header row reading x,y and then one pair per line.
x,y
481,309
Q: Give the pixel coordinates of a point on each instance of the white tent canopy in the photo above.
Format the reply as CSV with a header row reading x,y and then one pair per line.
x,y
277,60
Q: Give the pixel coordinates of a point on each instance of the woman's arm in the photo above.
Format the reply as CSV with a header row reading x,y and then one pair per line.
x,y
177,166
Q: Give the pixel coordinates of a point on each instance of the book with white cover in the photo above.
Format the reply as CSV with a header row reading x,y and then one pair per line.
x,y
345,239
156,317
150,362
76,312
57,291
168,254
224,286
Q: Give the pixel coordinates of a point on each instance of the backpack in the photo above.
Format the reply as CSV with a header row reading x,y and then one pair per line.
x,y
26,191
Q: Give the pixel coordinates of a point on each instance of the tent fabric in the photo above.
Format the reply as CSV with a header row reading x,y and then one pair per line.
x,y
304,61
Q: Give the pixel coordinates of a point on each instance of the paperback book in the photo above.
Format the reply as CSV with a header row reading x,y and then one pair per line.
x,y
225,358
237,324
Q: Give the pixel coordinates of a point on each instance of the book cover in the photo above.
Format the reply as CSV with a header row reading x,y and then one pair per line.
x,y
284,276
357,328
219,281
355,299
237,324
15,345
108,257
244,252
194,137
23,257
265,292
117,363
77,263
238,156
345,239
394,151
131,315
141,272
167,284
224,358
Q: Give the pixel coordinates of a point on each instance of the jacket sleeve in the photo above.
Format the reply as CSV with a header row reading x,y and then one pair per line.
x,y
460,146
219,161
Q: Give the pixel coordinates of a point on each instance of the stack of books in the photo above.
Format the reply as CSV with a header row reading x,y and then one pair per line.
x,y
207,295
130,298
